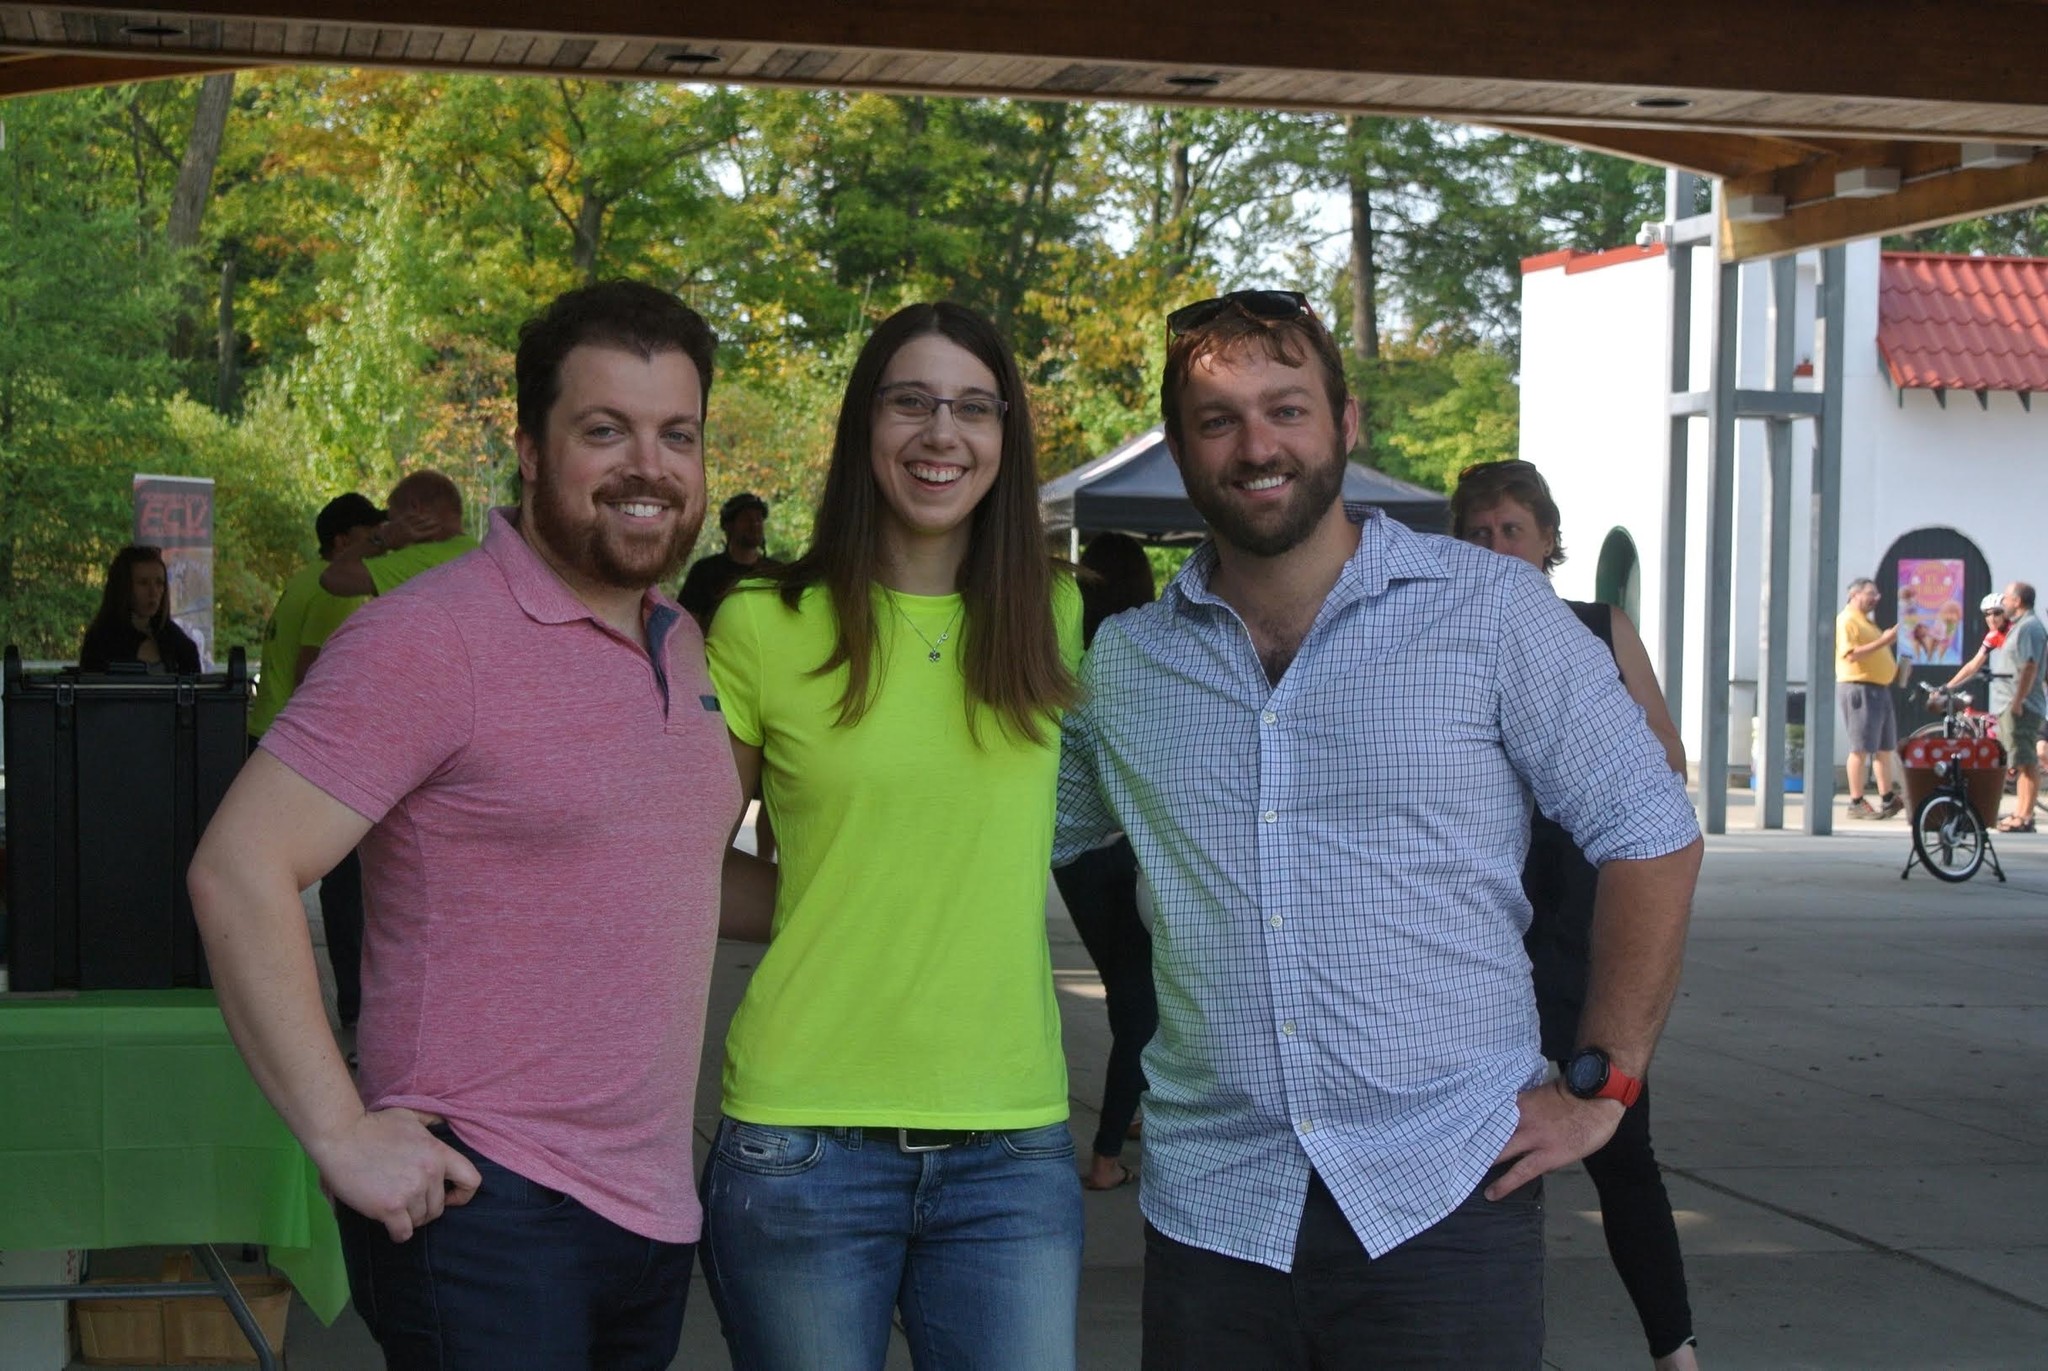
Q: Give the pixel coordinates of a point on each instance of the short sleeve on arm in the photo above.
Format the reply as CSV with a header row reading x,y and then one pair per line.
x,y
732,651
1066,618
394,699
390,570
324,614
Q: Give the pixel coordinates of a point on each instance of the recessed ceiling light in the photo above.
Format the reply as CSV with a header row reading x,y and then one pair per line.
x,y
1663,102
686,57
152,30
1194,82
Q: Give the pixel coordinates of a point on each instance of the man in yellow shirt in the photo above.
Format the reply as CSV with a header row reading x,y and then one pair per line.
x,y
424,530
304,619
1864,672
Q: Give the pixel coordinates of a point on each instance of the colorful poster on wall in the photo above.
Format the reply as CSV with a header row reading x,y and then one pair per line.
x,y
175,513
1931,615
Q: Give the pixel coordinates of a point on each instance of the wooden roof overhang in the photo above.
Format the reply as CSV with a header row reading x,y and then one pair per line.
x,y
1777,97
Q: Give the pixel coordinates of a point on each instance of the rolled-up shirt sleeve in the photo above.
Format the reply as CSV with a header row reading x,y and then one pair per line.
x,y
1575,736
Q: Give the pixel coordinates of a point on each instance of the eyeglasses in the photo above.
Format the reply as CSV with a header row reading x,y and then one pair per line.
x,y
914,406
1272,306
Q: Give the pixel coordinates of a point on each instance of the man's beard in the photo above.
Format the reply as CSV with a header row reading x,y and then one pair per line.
x,y
1281,529
599,552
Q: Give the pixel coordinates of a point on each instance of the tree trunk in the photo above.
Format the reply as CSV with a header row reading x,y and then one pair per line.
x,y
229,353
589,234
1365,322
202,151
1365,327
1183,194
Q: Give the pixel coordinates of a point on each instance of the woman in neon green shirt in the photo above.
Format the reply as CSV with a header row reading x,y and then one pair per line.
x,y
895,1095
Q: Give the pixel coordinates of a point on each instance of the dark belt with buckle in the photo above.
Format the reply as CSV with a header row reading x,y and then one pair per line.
x,y
924,1139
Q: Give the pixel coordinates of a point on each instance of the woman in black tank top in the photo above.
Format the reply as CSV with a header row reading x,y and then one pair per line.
x,y
1506,506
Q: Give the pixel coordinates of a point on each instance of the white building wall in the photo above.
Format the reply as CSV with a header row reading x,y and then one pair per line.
x,y
1594,381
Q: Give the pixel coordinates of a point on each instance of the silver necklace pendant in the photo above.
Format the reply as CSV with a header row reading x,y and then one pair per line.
x,y
934,644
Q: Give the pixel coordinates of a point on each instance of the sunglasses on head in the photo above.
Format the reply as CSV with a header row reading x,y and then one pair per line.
x,y
1272,306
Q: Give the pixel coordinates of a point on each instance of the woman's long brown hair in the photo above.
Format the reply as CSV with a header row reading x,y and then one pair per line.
x,y
1010,650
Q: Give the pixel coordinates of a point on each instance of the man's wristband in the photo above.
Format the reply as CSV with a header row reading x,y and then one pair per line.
x,y
1590,1074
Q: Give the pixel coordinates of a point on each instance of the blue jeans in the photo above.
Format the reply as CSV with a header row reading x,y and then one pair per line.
x,y
521,1276
813,1236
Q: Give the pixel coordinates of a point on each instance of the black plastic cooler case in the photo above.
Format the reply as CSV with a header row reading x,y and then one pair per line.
x,y
110,781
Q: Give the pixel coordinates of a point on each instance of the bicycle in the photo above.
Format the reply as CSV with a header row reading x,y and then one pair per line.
x,y
1950,837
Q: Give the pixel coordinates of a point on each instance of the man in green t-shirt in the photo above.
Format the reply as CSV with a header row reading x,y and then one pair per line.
x,y
424,530
305,617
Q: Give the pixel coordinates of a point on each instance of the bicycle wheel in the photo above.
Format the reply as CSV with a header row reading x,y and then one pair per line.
x,y
1949,837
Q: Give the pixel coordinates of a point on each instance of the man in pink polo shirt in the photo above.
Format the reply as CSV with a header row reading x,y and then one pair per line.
x,y
526,746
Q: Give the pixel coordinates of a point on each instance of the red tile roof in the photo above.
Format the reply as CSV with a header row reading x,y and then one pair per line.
x,y
1575,261
1963,323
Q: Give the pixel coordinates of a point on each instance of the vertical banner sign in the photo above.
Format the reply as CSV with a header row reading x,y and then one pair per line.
x,y
1931,614
175,513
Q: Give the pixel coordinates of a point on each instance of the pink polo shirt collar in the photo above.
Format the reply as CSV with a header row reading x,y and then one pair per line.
x,y
544,596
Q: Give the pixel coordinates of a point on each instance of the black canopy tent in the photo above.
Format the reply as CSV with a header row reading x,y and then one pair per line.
x,y
1137,490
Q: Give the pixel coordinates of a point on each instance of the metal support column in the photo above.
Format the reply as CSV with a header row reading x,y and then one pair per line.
x,y
1826,559
1720,548
1679,190
1775,645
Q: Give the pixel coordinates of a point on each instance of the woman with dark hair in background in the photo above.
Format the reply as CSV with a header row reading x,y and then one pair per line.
x,y
895,1097
134,622
1100,889
1506,506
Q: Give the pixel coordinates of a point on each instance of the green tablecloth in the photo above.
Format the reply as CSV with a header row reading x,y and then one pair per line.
x,y
127,1119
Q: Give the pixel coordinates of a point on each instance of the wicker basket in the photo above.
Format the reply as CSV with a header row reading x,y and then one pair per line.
x,y
181,1331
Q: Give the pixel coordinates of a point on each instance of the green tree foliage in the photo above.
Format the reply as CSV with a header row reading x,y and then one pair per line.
x,y
1442,411
84,301
348,306
2020,233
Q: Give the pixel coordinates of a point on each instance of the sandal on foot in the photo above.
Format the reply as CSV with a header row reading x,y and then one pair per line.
x,y
2012,823
1124,1176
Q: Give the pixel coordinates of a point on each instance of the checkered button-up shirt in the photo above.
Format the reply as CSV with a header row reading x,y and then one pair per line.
x,y
1336,867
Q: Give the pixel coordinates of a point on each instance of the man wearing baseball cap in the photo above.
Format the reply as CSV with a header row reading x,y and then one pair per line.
x,y
744,520
305,617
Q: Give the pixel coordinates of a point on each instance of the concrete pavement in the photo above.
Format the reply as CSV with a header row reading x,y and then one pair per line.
x,y
1850,1100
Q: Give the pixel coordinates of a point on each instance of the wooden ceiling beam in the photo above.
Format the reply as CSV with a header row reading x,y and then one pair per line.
x,y
1938,198
37,74
1814,179
1708,154
1967,50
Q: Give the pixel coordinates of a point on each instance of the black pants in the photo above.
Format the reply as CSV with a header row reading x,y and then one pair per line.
x,y
1467,1292
341,914
1635,1214
1100,889
521,1276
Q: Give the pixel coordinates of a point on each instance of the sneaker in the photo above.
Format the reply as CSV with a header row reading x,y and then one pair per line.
x,y
1892,805
1859,808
